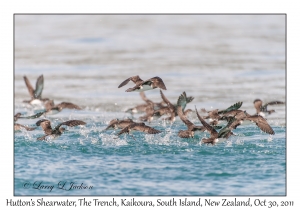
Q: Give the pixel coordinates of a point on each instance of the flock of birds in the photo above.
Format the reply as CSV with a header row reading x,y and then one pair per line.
x,y
232,115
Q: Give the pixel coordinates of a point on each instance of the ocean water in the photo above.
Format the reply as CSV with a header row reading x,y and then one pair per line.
x,y
217,59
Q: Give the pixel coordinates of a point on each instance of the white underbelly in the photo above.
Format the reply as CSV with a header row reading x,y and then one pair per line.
x,y
262,114
36,102
144,88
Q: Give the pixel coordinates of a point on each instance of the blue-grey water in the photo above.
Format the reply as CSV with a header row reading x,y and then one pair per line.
x,y
217,59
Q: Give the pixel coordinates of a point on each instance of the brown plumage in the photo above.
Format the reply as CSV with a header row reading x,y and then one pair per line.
x,y
17,116
148,101
58,130
35,94
51,108
141,85
149,114
171,109
18,127
213,133
191,128
217,114
118,124
261,123
138,127
260,108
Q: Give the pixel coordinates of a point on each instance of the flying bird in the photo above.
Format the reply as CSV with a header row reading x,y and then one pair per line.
x,y
58,130
261,109
51,108
214,135
35,94
138,127
141,85
118,124
18,126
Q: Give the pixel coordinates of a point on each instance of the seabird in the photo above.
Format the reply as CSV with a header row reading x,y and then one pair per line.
x,y
35,94
260,121
58,130
191,128
18,126
51,108
141,85
118,124
171,109
213,133
216,114
261,109
138,127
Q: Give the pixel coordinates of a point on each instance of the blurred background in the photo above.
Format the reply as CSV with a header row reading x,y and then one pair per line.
x,y
218,59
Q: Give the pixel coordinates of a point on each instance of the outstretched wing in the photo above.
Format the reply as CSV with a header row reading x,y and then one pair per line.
x,y
146,129
210,129
126,129
169,104
158,82
46,126
70,123
274,103
189,99
261,123
223,132
39,87
235,106
29,87
34,116
182,101
134,79
264,107
18,126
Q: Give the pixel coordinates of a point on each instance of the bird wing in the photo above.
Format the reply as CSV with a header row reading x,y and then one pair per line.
x,y
46,126
29,87
184,119
70,123
274,103
134,79
126,129
39,86
189,99
227,128
261,123
34,116
144,128
111,123
68,105
158,82
264,107
209,128
169,104
235,106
